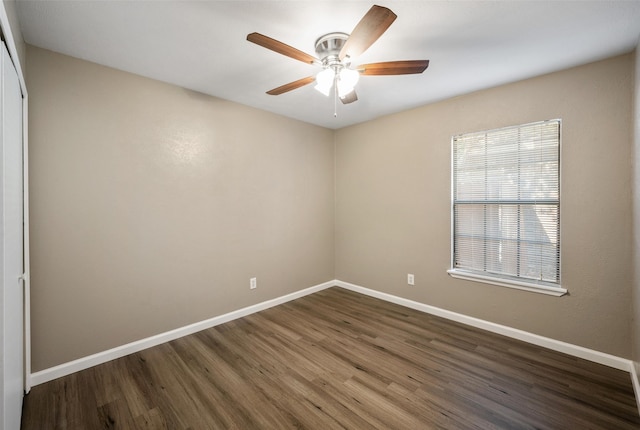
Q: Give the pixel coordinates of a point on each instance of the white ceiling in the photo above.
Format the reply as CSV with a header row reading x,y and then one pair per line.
x,y
201,45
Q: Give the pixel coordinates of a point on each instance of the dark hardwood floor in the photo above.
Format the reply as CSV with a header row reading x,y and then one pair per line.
x,y
334,360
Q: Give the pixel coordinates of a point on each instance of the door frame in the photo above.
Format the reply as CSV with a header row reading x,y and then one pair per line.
x,y
9,40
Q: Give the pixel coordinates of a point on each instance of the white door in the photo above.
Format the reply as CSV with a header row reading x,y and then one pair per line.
x,y
11,298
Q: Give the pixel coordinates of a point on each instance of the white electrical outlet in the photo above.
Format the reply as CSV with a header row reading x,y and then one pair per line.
x,y
253,283
410,279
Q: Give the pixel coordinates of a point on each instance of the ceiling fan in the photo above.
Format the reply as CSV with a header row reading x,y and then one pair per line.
x,y
335,51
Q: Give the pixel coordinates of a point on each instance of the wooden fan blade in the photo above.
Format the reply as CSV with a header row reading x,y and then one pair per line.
x,y
281,48
349,98
368,30
394,68
291,86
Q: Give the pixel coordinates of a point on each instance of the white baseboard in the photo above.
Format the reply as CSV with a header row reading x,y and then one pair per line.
x,y
64,369
130,348
556,345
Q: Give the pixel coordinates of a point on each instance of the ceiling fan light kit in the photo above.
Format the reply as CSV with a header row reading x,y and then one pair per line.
x,y
334,71
346,81
324,80
335,51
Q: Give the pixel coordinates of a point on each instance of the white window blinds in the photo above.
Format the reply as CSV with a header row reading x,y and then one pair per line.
x,y
506,203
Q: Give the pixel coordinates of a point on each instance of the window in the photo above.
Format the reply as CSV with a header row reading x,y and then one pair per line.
x,y
506,207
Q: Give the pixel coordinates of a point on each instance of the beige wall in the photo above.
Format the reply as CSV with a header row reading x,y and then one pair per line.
x,y
152,206
393,204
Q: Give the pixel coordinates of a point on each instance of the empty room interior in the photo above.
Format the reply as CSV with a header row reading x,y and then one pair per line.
x,y
269,215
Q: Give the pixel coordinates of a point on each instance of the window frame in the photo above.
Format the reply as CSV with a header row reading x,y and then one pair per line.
x,y
543,287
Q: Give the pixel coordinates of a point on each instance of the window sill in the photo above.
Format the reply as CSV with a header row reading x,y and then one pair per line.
x,y
534,288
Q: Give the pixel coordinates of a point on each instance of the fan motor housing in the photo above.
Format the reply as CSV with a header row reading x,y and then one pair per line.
x,y
328,47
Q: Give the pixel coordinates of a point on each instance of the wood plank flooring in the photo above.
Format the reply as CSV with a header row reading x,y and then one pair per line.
x,y
336,360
